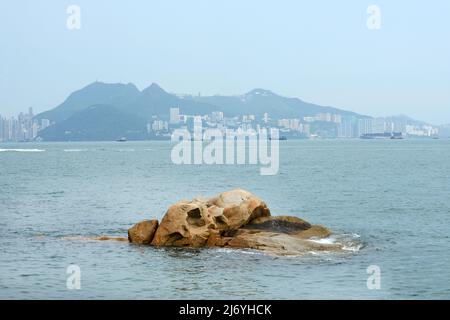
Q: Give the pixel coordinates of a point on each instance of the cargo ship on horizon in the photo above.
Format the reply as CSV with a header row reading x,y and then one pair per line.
x,y
384,135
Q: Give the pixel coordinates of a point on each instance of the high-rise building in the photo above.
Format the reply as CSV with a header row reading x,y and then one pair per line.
x,y
44,124
345,129
159,125
336,118
22,128
34,130
216,116
326,117
174,115
365,126
248,118
294,124
306,129
283,123
183,118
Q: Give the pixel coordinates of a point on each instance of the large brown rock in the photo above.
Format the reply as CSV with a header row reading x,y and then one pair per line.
x,y
143,232
192,223
232,219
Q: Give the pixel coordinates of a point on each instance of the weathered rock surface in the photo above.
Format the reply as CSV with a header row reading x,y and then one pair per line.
x,y
285,224
191,223
232,219
143,232
277,243
239,207
284,240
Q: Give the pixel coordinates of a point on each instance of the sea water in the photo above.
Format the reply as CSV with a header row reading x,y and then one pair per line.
x,y
387,202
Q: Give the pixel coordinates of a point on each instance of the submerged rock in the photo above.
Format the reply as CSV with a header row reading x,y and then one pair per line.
x,y
232,219
108,238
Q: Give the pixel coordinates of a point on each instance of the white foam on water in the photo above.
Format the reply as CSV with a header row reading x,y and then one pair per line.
x,y
75,150
347,241
351,242
352,247
324,241
21,150
238,250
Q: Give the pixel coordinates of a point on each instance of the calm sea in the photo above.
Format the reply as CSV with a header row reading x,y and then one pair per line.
x,y
387,201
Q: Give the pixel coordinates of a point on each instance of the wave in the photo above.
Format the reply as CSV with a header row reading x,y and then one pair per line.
x,y
349,242
353,248
324,241
22,150
75,150
240,250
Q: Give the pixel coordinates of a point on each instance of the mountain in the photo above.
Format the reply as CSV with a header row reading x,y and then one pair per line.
x,y
401,118
259,101
125,98
105,111
97,122
154,101
116,94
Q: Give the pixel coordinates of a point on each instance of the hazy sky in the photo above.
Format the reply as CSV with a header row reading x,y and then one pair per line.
x,y
319,51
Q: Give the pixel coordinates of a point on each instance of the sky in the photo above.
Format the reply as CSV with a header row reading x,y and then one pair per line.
x,y
319,51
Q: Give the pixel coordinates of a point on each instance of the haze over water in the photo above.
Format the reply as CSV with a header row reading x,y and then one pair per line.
x,y
387,201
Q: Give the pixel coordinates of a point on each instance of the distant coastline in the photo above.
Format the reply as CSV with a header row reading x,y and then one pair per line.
x,y
108,112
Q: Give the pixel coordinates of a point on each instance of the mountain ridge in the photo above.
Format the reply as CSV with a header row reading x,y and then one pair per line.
x,y
125,107
129,99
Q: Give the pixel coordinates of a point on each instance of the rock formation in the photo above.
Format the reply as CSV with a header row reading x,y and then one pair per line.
x,y
191,223
143,232
233,219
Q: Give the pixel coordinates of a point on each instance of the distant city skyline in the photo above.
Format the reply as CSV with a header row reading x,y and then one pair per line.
x,y
320,52
327,125
37,111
